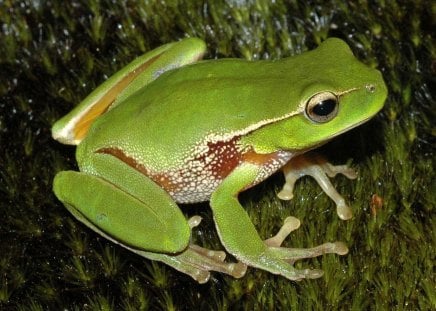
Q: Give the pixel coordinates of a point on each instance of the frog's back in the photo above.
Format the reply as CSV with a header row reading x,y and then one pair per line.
x,y
172,115
218,100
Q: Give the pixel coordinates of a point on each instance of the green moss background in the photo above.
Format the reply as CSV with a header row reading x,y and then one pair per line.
x,y
53,53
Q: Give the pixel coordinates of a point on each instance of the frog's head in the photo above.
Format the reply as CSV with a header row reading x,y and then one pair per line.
x,y
337,93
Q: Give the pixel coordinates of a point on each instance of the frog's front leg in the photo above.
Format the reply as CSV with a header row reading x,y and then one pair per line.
x,y
317,167
240,238
128,208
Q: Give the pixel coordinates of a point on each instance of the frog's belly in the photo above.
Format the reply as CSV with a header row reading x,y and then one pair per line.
x,y
201,174
199,179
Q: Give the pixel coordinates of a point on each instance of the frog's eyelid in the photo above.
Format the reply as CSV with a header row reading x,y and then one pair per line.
x,y
339,94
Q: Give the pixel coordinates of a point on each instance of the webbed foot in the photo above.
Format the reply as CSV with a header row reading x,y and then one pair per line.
x,y
291,255
197,261
317,167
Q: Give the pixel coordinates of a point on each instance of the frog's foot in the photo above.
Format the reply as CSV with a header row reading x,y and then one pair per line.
x,y
290,255
318,168
219,256
290,224
197,261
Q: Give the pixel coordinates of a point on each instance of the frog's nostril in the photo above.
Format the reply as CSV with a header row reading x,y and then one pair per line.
x,y
370,88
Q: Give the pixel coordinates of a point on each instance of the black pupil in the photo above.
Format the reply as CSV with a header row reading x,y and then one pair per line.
x,y
324,107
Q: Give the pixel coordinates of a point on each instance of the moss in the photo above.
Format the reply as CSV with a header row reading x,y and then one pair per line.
x,y
54,53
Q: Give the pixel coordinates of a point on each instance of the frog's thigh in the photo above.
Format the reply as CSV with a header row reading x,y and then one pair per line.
x,y
125,205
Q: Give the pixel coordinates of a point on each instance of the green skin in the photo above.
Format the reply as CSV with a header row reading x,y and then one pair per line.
x,y
184,131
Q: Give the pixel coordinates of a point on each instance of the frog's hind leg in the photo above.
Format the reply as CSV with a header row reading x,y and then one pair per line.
x,y
74,126
128,208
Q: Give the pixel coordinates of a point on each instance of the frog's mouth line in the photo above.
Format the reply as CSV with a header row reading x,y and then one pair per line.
x,y
316,146
351,127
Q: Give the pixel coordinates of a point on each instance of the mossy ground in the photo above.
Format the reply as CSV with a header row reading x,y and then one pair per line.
x,y
53,53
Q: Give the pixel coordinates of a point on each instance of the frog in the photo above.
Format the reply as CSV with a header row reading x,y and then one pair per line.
x,y
171,128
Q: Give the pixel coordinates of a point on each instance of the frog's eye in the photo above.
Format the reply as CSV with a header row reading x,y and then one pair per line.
x,y
322,107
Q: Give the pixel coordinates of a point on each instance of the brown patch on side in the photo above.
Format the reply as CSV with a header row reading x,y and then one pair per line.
x,y
258,158
161,179
221,158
